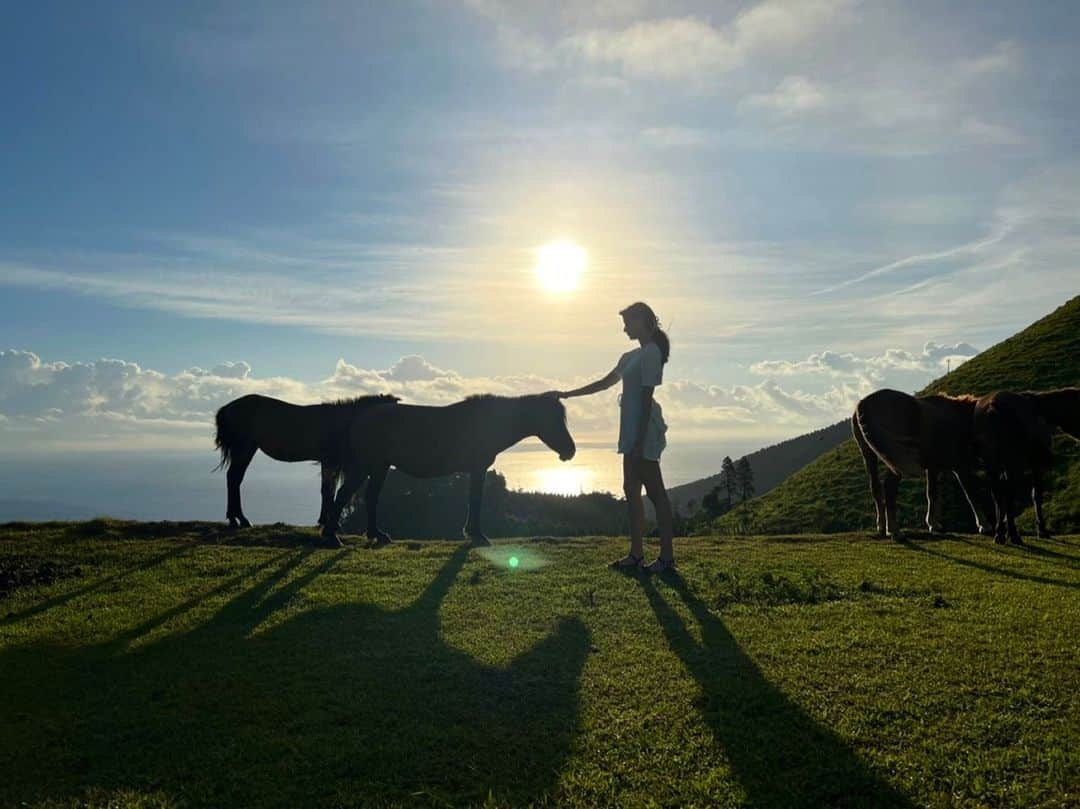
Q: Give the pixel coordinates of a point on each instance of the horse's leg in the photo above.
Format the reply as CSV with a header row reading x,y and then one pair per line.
x,y
871,462
1010,506
998,489
932,501
1037,489
354,478
473,531
968,484
892,486
371,501
238,464
329,483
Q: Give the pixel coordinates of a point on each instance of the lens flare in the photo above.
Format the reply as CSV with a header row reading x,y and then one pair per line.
x,y
519,558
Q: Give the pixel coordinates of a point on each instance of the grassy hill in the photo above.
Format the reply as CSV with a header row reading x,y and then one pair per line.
x,y
772,465
172,665
831,494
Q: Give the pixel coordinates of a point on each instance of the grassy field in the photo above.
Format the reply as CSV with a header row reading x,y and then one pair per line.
x,y
175,665
831,494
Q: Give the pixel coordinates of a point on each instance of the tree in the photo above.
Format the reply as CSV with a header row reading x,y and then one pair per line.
x,y
727,479
711,503
744,478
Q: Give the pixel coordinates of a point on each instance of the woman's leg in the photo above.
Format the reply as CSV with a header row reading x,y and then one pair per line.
x,y
632,490
654,487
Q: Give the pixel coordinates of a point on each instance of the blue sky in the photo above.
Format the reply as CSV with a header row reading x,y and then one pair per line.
x,y
326,198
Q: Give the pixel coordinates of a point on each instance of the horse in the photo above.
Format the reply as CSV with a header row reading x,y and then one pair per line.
x,y
913,436
425,441
1014,431
285,432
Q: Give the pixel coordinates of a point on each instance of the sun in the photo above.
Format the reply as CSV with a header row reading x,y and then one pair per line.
x,y
559,265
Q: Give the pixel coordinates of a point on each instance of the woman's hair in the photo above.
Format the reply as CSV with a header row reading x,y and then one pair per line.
x,y
648,316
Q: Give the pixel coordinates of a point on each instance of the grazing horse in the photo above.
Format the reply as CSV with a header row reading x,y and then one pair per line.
x,y
911,436
1014,432
428,442
285,432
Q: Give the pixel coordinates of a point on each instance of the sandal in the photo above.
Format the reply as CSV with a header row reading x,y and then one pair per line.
x,y
662,566
628,562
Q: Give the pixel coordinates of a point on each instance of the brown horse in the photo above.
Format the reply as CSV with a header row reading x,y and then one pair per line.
x,y
433,441
285,432
1014,432
913,436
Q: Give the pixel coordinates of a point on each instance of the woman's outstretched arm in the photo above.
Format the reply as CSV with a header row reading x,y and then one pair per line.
x,y
592,387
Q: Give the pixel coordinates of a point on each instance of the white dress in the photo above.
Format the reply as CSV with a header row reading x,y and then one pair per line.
x,y
638,368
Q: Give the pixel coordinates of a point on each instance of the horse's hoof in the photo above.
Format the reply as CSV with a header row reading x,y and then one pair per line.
x,y
478,540
1045,535
244,522
1016,540
379,539
999,540
330,542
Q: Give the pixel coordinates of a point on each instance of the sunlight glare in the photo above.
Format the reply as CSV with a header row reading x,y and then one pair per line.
x,y
568,480
559,265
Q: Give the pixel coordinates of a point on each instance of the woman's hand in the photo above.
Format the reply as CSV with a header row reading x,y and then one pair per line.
x,y
638,450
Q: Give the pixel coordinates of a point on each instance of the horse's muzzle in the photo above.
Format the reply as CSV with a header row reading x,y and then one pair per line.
x,y
566,456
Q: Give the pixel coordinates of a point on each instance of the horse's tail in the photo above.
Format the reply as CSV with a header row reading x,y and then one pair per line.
x,y
872,434
230,432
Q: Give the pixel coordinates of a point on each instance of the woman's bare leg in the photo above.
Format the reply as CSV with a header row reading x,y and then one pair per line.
x,y
632,490
654,487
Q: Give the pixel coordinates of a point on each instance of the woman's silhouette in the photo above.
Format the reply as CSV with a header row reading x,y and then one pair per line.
x,y
641,431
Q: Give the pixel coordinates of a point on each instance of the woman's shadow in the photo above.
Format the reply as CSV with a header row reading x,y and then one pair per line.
x,y
779,754
271,703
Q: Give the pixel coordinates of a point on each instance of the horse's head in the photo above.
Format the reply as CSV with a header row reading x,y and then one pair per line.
x,y
548,423
1062,409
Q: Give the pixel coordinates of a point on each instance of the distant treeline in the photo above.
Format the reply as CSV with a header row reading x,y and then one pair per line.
x,y
435,508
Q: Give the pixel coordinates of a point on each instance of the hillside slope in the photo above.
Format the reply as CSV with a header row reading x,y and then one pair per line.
x,y
772,465
831,493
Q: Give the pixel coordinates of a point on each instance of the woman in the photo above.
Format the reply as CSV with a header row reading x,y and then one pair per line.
x,y
641,432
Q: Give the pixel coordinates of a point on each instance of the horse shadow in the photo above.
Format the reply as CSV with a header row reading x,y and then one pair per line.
x,y
996,570
363,705
780,756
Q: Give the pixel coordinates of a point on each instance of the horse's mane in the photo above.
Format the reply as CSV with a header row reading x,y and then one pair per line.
x,y
359,402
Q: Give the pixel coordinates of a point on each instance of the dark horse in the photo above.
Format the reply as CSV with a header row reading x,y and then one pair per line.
x,y
285,432
1014,432
911,436
428,442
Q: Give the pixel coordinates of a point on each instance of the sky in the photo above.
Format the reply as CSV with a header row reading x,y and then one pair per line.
x,y
312,200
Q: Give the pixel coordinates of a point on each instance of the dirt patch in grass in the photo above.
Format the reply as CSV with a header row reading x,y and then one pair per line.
x,y
19,571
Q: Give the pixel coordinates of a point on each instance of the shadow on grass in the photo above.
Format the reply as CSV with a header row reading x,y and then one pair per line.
x,y
780,755
988,568
269,703
95,586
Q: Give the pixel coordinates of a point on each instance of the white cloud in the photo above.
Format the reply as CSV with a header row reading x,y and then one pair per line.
x,y
933,360
794,95
668,49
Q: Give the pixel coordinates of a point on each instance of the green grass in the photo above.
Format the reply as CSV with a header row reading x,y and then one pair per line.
x,y
175,665
831,494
